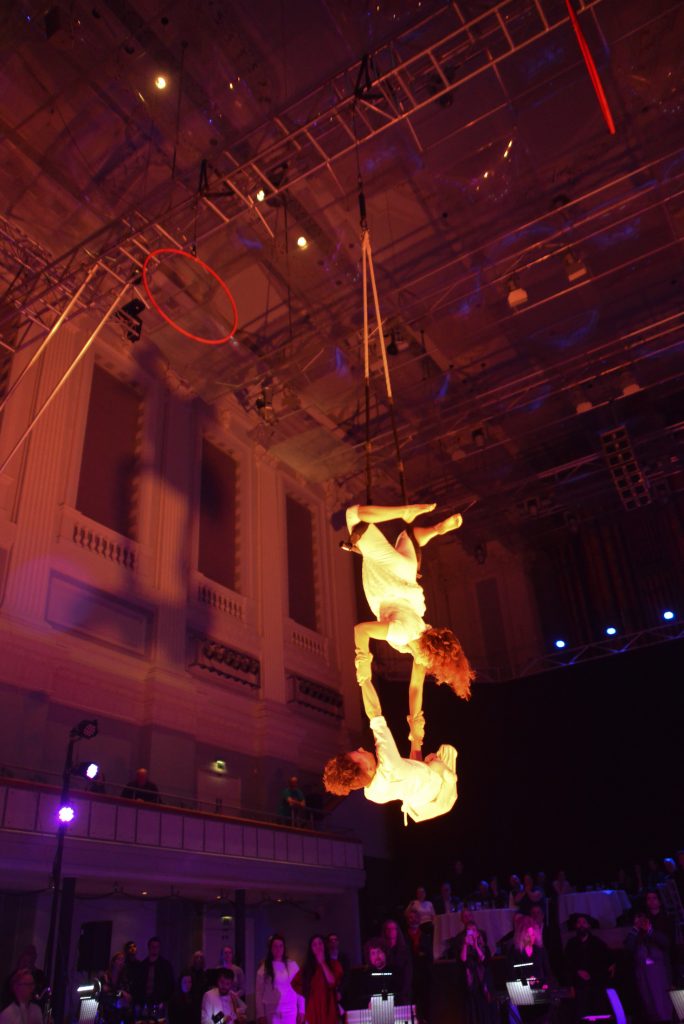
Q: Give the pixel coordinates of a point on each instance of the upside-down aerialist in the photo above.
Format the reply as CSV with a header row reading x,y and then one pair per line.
x,y
396,599
426,789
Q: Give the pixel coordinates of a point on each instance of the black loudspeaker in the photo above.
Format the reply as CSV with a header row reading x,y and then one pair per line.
x,y
94,946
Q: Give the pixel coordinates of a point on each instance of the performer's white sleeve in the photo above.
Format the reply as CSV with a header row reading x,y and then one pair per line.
x,y
352,517
389,757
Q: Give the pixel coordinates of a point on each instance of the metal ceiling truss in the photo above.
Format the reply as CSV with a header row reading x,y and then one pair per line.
x,y
405,83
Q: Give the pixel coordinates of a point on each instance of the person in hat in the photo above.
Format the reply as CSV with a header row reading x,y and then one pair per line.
x,y
589,966
426,789
396,598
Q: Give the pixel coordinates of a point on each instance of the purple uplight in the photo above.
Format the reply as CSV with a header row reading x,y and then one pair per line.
x,y
66,814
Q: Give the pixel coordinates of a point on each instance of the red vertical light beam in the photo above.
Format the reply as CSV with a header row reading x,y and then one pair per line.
x,y
591,68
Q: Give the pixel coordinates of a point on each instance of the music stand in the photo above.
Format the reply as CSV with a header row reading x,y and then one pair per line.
x,y
382,1008
519,993
677,997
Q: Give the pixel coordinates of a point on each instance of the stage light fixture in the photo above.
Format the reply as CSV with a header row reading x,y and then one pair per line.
x,y
611,630
560,644
517,296
302,242
86,769
260,196
160,82
86,729
66,814
668,615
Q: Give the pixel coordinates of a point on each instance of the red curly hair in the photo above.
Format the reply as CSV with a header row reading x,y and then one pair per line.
x,y
444,658
341,775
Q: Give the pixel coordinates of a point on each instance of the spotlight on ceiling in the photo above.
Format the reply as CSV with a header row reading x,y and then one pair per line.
x,y
517,296
86,769
575,269
86,729
260,196
129,314
302,242
560,644
160,82
611,630
66,814
668,615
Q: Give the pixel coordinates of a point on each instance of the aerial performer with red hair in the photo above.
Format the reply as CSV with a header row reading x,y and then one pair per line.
x,y
390,582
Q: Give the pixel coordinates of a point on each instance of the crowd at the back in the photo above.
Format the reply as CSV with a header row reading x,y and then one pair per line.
x,y
561,961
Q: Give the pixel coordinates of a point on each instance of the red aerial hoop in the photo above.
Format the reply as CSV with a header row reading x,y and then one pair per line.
x,y
155,254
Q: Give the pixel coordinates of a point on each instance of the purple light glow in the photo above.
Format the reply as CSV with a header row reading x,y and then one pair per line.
x,y
66,814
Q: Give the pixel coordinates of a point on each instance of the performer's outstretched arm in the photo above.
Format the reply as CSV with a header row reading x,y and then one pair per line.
x,y
371,701
416,718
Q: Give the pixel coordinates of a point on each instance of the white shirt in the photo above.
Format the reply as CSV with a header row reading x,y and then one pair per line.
x,y
425,790
389,582
278,997
17,1013
213,1002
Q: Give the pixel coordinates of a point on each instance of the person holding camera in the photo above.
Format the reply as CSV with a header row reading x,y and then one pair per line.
x,y
473,960
222,1005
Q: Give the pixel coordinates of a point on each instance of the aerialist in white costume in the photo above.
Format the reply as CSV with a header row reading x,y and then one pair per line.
x,y
398,603
426,789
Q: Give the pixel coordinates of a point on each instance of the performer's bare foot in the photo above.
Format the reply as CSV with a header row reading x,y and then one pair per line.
x,y
451,523
411,511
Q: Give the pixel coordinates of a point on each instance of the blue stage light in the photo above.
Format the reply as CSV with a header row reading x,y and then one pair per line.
x,y
611,630
560,644
668,615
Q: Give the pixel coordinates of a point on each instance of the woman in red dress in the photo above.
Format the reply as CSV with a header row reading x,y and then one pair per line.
x,y
318,981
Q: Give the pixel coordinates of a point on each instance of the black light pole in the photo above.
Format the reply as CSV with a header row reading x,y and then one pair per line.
x,y
85,730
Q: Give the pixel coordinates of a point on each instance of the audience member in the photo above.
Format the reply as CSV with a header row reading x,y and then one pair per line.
x,y
445,902
293,803
222,1004
155,980
276,1000
226,960
560,885
499,896
655,874
317,982
657,916
183,1008
200,983
473,961
398,961
22,1009
141,788
515,888
527,896
423,907
375,978
419,941
679,875
332,948
454,946
115,997
25,961
529,961
589,966
459,881
650,951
